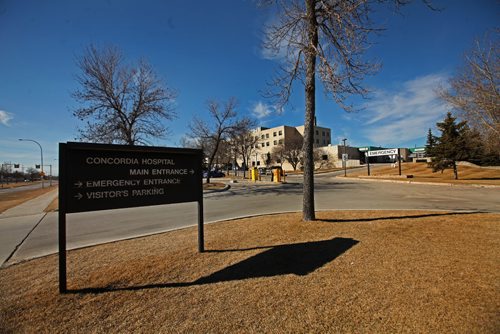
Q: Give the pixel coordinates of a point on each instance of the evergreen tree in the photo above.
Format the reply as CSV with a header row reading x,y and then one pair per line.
x,y
431,144
451,146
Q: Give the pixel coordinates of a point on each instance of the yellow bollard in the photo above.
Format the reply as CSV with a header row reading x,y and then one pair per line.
x,y
277,175
255,174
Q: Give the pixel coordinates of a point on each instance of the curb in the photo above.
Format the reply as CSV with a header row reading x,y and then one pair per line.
x,y
426,183
226,187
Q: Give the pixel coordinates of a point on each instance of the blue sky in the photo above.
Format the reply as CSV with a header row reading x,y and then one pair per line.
x,y
212,49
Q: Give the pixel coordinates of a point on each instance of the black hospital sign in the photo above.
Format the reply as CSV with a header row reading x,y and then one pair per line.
x,y
100,177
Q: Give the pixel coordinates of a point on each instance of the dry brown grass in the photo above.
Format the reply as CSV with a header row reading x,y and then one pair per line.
x,y
422,173
53,206
17,184
11,199
362,272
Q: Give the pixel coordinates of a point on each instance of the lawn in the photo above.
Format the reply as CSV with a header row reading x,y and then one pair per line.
x,y
421,173
12,199
350,271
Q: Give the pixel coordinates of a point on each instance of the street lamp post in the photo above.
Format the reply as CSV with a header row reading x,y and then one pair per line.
x,y
344,159
41,155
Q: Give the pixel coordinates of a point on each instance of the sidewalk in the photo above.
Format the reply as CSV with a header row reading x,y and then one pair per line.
x,y
18,222
31,207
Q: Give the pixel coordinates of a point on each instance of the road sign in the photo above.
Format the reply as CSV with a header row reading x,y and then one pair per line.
x,y
391,151
345,157
99,177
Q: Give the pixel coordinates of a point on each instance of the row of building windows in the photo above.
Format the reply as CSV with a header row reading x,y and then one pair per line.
x,y
280,133
280,142
266,136
276,142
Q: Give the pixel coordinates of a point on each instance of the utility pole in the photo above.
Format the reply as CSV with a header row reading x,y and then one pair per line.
x,y
41,156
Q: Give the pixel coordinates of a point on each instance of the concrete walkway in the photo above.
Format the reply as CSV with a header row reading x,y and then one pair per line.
x,y
17,223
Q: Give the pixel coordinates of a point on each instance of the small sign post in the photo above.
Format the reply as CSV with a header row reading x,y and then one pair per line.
x,y
96,177
399,161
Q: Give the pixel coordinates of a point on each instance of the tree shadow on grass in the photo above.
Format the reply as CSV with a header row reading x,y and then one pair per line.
x,y
298,259
398,217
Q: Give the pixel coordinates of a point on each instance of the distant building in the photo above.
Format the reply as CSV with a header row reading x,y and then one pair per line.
x,y
418,154
270,138
332,156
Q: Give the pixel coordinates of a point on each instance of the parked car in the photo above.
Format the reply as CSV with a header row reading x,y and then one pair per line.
x,y
214,173
264,171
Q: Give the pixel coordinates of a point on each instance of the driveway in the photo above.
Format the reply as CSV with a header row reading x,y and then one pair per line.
x,y
243,199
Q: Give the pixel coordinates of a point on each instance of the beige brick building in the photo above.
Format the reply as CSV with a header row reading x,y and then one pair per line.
x,y
270,138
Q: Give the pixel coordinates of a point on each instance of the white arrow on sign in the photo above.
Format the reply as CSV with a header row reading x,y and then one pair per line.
x,y
78,184
191,171
78,196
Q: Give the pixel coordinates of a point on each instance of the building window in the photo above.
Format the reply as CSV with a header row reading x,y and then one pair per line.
x,y
267,135
281,141
323,133
262,137
317,141
317,133
280,132
263,144
275,142
258,163
267,144
324,142
274,134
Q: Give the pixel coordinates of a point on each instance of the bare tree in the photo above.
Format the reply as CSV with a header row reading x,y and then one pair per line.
x,y
244,143
189,142
277,155
325,37
474,91
224,154
319,161
120,104
267,159
292,152
223,123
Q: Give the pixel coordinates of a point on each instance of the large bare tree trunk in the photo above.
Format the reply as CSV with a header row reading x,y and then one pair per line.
x,y
308,212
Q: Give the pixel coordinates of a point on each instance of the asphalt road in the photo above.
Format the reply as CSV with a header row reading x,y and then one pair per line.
x,y
243,199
